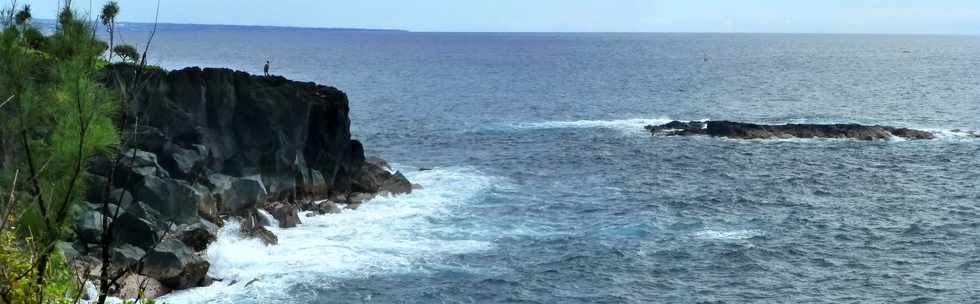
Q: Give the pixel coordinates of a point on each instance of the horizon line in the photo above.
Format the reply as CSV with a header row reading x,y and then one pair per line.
x,y
369,29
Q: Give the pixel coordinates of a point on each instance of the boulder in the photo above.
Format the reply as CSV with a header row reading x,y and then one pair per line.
x,y
184,163
208,207
325,207
251,227
88,226
126,255
286,214
121,197
175,199
134,165
138,227
133,285
148,139
199,235
369,178
397,184
267,237
175,265
237,194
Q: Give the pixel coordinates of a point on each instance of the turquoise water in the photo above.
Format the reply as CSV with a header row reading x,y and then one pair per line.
x,y
546,189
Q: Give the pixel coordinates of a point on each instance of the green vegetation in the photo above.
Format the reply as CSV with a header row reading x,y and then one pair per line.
x,y
54,117
127,53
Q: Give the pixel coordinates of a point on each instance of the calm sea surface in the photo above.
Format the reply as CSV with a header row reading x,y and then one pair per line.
x,y
546,189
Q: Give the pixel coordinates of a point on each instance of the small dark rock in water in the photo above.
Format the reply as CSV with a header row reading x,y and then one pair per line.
x,y
740,130
251,227
267,237
397,184
287,215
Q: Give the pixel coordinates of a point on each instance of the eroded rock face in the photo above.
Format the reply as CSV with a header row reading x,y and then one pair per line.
x,y
247,125
216,144
740,130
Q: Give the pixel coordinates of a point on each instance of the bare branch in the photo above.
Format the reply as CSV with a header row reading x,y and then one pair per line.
x,y
10,201
7,101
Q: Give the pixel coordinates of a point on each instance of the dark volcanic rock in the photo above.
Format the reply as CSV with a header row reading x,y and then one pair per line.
x,y
374,177
214,143
287,215
131,228
175,265
175,199
755,131
251,226
397,184
199,235
291,133
88,226
126,256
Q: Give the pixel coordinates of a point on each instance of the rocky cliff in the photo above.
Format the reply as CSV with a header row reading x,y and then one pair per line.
x,y
212,144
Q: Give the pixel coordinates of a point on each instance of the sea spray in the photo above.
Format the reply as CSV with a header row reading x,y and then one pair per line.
x,y
387,236
628,126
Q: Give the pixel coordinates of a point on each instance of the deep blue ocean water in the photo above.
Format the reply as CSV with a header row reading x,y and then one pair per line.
x,y
546,189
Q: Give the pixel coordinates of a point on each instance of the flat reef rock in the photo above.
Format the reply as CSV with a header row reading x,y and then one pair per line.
x,y
739,130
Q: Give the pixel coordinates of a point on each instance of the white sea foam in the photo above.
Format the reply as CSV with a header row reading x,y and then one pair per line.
x,y
726,234
955,134
635,125
387,236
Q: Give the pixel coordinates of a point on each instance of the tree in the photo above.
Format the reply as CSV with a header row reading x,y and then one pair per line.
x,y
127,53
108,17
23,15
61,117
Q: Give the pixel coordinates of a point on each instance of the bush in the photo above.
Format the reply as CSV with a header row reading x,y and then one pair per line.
x,y
127,53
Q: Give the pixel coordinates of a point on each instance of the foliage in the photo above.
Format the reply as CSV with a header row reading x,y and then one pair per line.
x,y
58,117
109,12
127,52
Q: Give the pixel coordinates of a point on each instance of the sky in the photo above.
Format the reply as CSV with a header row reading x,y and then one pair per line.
x,y
767,16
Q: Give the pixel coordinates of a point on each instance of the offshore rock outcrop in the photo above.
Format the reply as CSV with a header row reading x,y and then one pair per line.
x,y
740,130
213,144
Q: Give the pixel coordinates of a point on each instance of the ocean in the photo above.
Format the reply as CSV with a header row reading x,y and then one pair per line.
x,y
545,188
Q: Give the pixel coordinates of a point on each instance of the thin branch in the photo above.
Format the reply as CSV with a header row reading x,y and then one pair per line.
x,y
10,201
7,101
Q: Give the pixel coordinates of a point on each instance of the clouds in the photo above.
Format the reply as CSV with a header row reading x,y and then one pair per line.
x,y
827,16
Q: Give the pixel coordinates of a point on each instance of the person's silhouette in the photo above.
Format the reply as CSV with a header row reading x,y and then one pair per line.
x,y
266,68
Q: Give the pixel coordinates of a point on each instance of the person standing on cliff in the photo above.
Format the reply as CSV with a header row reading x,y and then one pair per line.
x,y
266,69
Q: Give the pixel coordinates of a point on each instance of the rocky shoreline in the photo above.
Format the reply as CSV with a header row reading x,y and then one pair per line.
x,y
214,145
739,130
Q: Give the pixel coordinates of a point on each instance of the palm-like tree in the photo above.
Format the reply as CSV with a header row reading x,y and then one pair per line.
x,y
108,17
23,15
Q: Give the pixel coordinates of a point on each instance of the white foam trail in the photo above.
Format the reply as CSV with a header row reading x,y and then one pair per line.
x,y
625,125
389,235
954,134
726,235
